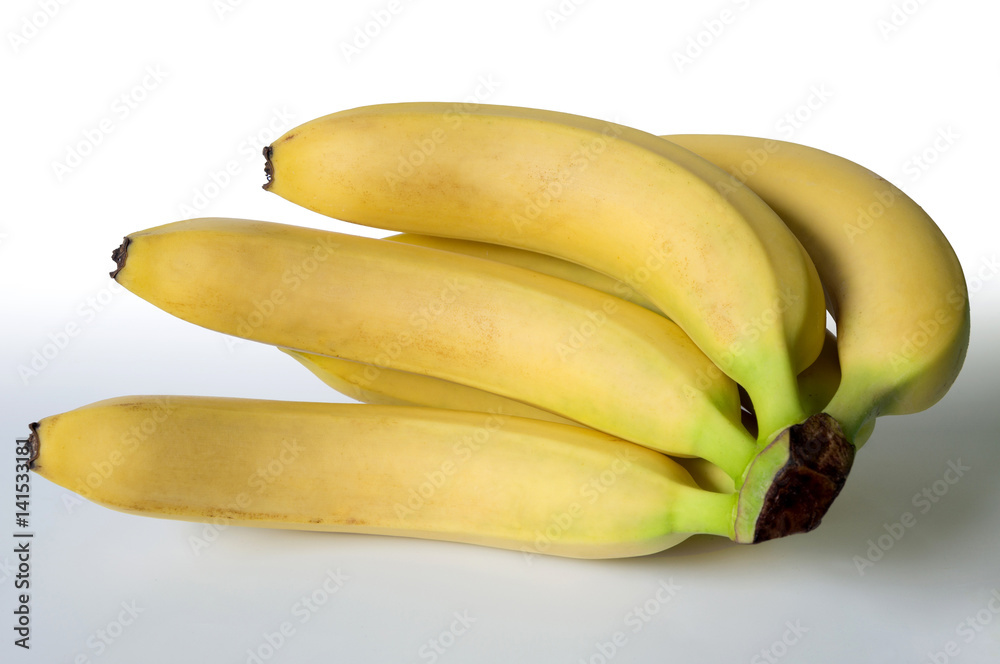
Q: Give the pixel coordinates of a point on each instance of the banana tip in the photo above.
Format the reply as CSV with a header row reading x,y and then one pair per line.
x,y
118,256
33,444
268,167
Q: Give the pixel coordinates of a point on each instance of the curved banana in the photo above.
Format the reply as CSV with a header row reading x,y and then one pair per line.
x,y
609,197
372,385
555,345
820,381
531,260
896,287
389,387
507,482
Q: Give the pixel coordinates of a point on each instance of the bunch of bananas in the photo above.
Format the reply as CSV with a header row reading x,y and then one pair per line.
x,y
587,340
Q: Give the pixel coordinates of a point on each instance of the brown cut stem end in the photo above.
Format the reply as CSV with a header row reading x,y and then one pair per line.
x,y
118,256
268,167
33,444
819,459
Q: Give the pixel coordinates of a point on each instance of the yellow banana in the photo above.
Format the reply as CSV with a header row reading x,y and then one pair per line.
x,y
555,345
368,384
500,481
895,285
531,260
817,384
820,381
609,197
389,387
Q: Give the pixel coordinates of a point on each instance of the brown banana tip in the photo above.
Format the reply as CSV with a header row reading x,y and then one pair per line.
x,y
32,444
268,166
819,460
118,256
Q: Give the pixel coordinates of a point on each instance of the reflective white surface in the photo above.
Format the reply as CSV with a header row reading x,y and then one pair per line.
x,y
166,112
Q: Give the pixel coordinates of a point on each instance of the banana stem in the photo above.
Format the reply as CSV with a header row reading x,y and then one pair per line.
x,y
775,420
791,484
853,419
706,513
729,446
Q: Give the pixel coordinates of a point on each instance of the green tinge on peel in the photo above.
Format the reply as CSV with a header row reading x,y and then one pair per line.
x,y
791,483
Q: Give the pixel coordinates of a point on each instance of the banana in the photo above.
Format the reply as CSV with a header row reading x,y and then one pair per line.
x,y
369,384
612,198
389,387
549,343
531,260
819,382
896,288
400,388
499,481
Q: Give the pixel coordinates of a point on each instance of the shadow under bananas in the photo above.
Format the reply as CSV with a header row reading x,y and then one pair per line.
x,y
922,497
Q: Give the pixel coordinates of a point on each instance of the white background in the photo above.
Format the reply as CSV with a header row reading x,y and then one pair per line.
x,y
207,83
